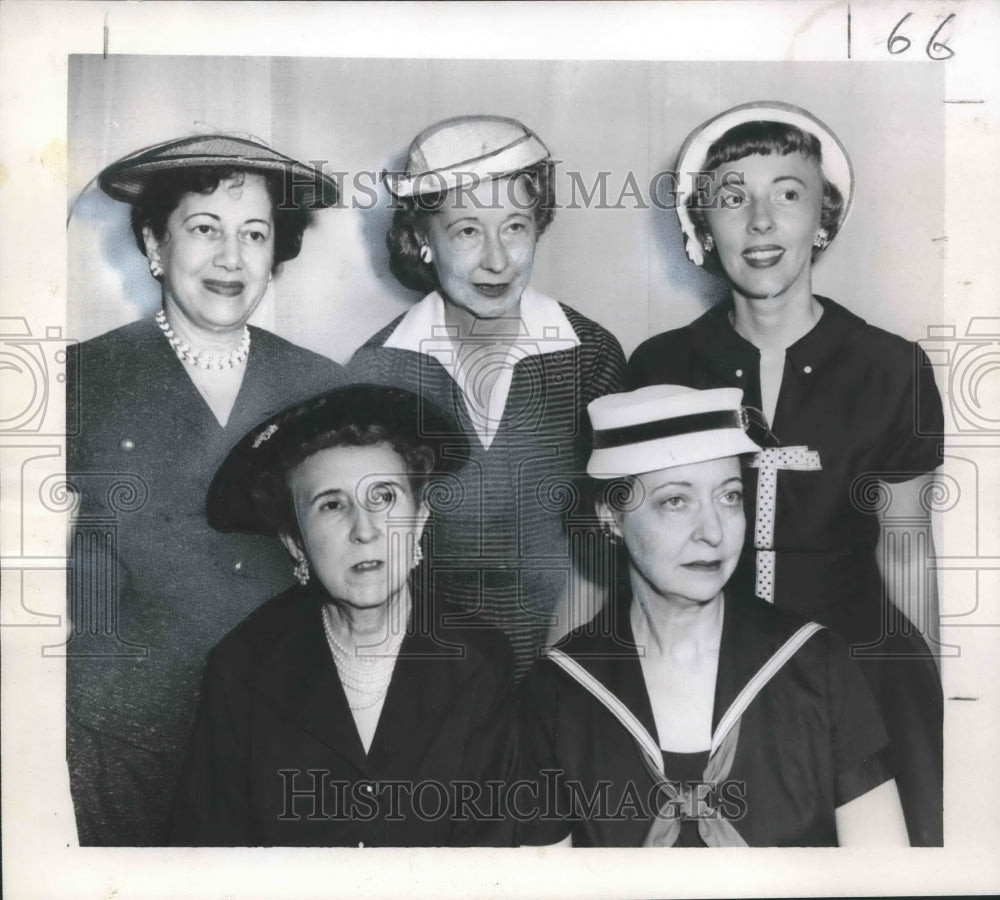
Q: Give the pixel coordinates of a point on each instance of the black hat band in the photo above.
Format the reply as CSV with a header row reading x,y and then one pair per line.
x,y
606,438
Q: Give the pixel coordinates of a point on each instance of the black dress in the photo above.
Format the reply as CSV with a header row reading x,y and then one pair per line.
x,y
864,404
810,741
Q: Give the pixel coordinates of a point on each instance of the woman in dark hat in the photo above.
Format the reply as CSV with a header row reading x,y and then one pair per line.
x,y
514,366
349,710
160,402
688,713
842,506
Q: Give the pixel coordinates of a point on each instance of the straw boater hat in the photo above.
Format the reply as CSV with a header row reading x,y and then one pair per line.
x,y
665,425
691,159
126,179
464,149
231,503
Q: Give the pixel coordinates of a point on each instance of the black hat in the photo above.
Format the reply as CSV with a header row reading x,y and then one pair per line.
x,y
126,179
231,503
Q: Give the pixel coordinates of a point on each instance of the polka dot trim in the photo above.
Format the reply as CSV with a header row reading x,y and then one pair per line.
x,y
769,462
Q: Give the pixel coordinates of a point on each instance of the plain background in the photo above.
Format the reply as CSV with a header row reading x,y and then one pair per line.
x,y
624,267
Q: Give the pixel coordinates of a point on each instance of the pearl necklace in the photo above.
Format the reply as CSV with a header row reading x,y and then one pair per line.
x,y
187,354
367,677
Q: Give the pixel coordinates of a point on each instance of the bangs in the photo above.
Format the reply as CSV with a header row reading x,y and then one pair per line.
x,y
762,139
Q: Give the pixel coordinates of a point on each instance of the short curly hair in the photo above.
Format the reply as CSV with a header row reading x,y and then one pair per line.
x,y
408,224
777,139
163,192
272,492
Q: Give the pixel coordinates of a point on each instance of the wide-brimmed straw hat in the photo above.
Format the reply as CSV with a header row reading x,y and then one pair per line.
x,y
691,159
464,149
231,504
306,186
665,425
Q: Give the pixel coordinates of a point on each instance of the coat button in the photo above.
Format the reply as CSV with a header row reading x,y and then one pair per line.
x,y
238,566
361,843
807,369
739,373
128,445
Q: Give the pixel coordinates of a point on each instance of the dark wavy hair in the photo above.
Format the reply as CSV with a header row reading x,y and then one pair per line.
x,y
272,492
408,225
772,139
163,192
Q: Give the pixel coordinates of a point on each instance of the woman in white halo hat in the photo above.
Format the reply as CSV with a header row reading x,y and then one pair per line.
x,y
841,502
688,713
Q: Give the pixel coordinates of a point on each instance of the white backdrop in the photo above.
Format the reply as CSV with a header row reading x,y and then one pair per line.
x,y
623,267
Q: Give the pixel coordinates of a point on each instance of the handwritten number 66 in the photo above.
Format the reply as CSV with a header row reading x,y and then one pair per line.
x,y
935,49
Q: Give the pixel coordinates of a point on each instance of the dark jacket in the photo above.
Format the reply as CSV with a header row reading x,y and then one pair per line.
x,y
276,759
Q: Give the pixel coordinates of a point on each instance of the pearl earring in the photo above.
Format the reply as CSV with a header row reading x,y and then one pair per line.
x,y
418,553
155,269
708,243
822,240
301,571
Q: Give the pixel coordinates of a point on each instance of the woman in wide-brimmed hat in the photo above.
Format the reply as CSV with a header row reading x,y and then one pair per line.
x,y
514,366
841,502
349,710
689,713
160,402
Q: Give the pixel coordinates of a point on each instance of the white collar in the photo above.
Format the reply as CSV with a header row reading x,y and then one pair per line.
x,y
542,327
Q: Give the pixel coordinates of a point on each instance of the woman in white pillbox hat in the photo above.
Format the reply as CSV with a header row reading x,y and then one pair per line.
x,y
515,367
841,529
692,715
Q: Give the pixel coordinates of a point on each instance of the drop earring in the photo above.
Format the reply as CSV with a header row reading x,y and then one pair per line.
x,y
155,269
822,240
425,253
708,243
301,570
418,553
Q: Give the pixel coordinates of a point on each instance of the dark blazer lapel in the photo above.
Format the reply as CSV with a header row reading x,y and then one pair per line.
x,y
264,390
173,394
426,679
300,679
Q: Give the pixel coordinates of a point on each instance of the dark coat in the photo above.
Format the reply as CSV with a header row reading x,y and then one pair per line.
x,y
276,759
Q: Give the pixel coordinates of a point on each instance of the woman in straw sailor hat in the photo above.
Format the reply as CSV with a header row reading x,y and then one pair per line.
x,y
688,713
